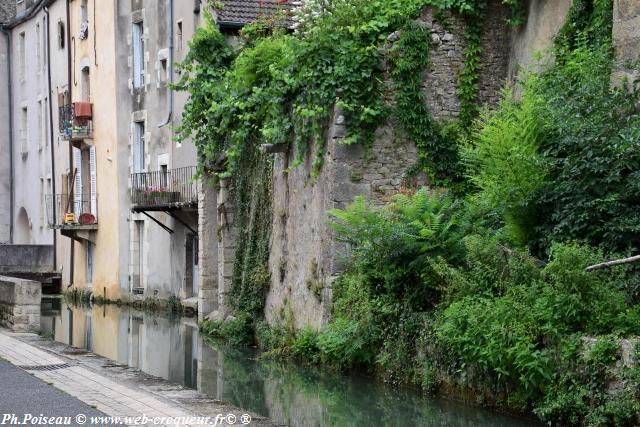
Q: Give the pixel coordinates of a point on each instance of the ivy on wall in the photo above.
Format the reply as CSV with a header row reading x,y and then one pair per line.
x,y
279,87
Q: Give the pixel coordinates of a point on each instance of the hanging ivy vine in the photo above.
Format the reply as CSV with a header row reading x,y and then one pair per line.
x,y
280,88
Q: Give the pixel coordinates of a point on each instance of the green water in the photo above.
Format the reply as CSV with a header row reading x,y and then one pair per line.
x,y
286,393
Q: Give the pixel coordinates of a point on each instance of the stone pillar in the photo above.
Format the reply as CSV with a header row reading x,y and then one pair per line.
x,y
20,304
626,39
207,247
227,237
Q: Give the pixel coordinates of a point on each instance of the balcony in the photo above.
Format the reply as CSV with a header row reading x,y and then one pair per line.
x,y
75,217
76,121
164,190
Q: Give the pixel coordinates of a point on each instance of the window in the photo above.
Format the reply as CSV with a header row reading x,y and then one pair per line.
x,y
61,35
89,264
164,176
138,147
48,190
22,56
86,84
84,20
24,137
42,201
44,45
45,122
163,76
179,36
40,134
38,48
138,54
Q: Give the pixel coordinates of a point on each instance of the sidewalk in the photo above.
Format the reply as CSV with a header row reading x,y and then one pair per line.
x,y
22,395
117,393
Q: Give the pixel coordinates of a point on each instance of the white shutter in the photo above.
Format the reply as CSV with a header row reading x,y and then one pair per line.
x,y
137,55
77,186
138,147
94,186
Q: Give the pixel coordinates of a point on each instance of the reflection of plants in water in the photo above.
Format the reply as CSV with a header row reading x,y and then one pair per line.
x,y
78,297
243,379
298,395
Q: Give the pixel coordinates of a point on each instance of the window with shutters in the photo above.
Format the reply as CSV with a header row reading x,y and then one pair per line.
x,y
93,182
77,181
138,54
138,147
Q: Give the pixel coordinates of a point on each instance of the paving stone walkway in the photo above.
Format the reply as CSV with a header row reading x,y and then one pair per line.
x,y
25,398
102,393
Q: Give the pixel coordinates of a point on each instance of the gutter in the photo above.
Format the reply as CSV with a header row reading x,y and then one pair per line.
x,y
69,87
169,62
12,196
53,159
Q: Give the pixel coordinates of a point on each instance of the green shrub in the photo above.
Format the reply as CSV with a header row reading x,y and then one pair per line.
x,y
305,345
344,344
504,162
235,331
592,152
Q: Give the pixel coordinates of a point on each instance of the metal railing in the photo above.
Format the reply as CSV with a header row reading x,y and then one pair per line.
x,y
72,211
72,127
171,187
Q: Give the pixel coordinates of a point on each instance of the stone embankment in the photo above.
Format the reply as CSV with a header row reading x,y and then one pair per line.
x,y
20,304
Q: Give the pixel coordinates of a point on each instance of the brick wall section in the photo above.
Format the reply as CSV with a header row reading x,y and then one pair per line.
x,y
626,38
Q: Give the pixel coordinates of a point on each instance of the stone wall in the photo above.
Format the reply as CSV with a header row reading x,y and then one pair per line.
x,y
20,304
26,259
626,39
207,247
305,258
446,58
545,18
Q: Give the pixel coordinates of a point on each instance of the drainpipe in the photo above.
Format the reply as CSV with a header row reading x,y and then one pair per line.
x,y
169,61
7,33
68,28
53,159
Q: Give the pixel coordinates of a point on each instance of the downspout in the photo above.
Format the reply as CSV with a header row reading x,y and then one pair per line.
x,y
53,160
7,33
68,27
169,62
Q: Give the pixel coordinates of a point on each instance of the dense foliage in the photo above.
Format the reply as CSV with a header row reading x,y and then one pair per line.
x,y
482,286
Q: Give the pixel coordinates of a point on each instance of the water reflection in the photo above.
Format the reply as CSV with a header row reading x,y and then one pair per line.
x,y
288,394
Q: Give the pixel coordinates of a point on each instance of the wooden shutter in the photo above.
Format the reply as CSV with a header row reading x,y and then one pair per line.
x,y
94,186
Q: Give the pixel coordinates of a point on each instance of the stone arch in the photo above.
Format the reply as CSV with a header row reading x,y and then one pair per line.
x,y
23,227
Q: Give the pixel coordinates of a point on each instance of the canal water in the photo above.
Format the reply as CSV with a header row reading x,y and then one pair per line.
x,y
286,393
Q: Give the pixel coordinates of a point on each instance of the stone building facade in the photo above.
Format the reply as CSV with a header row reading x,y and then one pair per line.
x,y
626,40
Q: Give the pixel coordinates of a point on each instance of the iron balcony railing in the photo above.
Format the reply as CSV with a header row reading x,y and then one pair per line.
x,y
165,188
71,125
72,211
